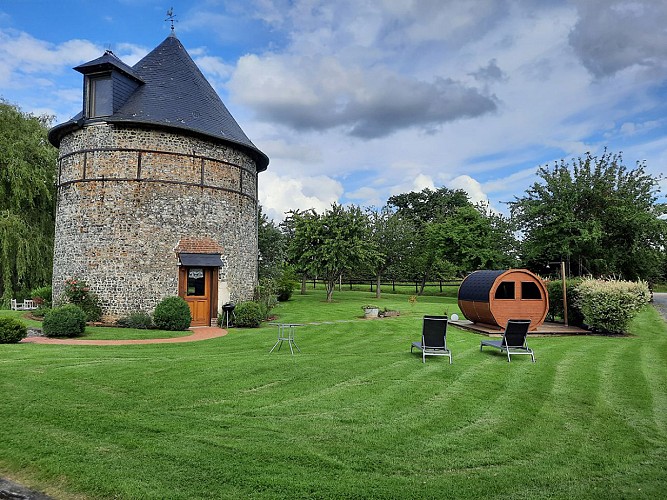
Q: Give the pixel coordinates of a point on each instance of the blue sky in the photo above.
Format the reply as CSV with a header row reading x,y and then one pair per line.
x,y
354,101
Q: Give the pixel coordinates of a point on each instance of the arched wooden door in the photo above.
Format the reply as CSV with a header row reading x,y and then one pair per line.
x,y
196,286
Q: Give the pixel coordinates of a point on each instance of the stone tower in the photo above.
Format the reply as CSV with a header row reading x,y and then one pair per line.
x,y
157,189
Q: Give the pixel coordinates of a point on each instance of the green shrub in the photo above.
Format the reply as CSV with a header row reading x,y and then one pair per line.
x,y
265,296
65,321
40,311
555,290
90,305
42,296
138,319
12,331
608,306
286,284
172,313
78,293
248,315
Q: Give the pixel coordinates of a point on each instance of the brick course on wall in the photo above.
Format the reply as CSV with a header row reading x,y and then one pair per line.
x,y
127,196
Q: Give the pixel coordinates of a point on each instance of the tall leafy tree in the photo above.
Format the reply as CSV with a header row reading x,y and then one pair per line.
x,y
272,246
595,213
472,238
394,239
329,244
424,208
27,202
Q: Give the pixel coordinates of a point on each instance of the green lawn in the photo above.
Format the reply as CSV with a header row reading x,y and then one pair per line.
x,y
355,415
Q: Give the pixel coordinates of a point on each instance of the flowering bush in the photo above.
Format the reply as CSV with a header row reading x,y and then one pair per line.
x,y
76,290
78,293
609,305
41,296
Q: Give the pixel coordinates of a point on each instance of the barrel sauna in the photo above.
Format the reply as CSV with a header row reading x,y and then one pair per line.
x,y
493,297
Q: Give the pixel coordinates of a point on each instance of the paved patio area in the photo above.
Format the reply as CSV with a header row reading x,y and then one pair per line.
x,y
544,329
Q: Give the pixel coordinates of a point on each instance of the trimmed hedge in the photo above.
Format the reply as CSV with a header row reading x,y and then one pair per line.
x,y
248,315
12,331
173,314
608,306
65,321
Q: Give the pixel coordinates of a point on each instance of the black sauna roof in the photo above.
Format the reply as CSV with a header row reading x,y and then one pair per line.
x,y
477,285
174,95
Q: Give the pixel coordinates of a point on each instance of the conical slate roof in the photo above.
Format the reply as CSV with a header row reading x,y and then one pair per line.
x,y
174,94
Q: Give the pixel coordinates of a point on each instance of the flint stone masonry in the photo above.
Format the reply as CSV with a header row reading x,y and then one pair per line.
x,y
127,196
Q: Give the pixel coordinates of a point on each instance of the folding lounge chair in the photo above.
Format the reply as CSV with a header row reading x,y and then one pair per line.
x,y
514,339
434,338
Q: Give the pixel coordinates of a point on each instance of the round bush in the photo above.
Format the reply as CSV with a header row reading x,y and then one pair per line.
x,y
172,313
248,315
65,321
12,331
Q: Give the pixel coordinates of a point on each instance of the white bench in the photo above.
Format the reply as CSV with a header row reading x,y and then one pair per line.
x,y
26,305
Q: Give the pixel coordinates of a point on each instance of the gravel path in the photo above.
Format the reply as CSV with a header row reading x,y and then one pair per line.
x,y
660,303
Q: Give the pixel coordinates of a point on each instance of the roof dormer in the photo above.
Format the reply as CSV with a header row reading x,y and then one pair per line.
x,y
107,84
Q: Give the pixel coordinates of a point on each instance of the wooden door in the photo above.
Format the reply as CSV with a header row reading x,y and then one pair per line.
x,y
195,286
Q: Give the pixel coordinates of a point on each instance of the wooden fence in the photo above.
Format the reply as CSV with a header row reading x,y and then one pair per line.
x,y
371,283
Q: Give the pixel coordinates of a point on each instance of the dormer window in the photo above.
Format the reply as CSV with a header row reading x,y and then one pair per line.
x,y
99,95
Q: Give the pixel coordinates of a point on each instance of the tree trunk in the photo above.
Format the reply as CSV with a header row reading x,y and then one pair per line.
x,y
331,284
378,283
422,286
303,284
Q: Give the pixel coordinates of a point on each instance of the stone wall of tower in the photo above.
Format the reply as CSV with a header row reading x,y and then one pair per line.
x,y
126,196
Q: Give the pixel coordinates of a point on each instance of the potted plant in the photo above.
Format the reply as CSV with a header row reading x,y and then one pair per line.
x,y
370,311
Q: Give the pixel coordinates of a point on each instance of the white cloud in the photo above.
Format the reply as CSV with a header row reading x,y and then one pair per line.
x,y
21,52
279,194
470,186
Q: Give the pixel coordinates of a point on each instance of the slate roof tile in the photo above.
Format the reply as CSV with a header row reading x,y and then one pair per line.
x,y
175,94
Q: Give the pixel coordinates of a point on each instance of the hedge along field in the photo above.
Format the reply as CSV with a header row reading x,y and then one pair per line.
x,y
354,415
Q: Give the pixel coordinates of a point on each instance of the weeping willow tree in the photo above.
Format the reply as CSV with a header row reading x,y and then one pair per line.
x,y
27,202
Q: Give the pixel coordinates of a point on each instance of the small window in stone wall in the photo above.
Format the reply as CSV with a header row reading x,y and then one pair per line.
x,y
505,291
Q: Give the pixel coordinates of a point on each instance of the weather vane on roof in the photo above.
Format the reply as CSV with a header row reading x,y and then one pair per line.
x,y
171,17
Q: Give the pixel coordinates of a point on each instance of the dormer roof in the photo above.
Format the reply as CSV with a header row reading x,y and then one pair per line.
x,y
172,93
108,62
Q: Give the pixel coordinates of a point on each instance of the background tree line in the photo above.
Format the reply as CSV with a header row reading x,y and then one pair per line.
x,y
594,213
